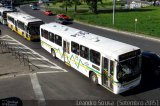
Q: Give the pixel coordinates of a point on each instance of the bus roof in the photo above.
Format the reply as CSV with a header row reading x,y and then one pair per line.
x,y
26,18
104,45
2,9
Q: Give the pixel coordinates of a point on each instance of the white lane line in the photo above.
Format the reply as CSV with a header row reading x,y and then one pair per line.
x,y
3,36
20,47
13,43
7,39
48,72
37,90
36,58
34,52
47,66
26,52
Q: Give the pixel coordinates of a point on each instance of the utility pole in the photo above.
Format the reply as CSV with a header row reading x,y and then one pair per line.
x,y
11,4
114,5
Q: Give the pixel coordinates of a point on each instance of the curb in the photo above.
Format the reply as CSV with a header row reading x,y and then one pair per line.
x,y
121,32
147,37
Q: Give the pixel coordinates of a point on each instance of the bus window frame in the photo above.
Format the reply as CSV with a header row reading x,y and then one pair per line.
x,y
93,59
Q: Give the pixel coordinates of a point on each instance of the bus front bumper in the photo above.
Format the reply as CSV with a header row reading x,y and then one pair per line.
x,y
120,88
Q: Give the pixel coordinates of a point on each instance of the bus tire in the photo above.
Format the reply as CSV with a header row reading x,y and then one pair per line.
x,y
53,53
94,78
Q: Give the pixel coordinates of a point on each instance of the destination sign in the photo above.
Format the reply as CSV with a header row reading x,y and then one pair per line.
x,y
129,55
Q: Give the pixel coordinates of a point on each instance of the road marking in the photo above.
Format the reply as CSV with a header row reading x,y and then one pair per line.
x,y
6,39
36,58
37,90
33,52
47,66
13,43
26,52
19,47
24,74
48,72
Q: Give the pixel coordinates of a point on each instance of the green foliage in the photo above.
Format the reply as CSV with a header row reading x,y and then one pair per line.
x,y
92,5
148,20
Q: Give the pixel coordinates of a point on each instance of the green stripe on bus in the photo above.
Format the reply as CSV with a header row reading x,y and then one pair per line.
x,y
72,57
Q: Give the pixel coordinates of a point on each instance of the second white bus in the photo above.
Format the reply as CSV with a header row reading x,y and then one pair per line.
x,y
112,64
3,14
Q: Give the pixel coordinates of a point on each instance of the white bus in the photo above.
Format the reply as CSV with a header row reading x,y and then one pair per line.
x,y
112,64
24,24
3,14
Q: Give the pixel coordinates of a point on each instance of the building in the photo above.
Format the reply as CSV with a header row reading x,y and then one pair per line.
x,y
135,4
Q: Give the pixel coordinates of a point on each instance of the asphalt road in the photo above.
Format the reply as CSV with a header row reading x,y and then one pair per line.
x,y
72,85
151,88
144,44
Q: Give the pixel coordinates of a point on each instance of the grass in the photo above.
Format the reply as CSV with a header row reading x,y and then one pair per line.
x,y
148,19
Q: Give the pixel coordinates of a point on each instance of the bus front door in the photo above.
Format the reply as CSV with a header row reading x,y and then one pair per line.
x,y
107,73
66,51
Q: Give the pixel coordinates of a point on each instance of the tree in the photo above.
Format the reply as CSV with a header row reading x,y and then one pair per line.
x,y
66,4
92,5
75,5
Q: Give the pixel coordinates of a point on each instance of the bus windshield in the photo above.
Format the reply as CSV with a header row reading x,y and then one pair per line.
x,y
34,28
128,69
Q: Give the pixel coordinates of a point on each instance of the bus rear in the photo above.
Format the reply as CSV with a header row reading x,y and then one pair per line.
x,y
34,30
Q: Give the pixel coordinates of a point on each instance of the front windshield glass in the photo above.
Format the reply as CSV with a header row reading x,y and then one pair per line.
x,y
128,69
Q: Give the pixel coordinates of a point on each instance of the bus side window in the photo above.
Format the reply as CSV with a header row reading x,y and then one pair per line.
x,y
58,40
45,34
84,52
111,67
10,19
75,48
51,37
105,64
95,57
21,25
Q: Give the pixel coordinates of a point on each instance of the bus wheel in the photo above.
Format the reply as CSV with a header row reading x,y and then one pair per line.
x,y
94,78
53,53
